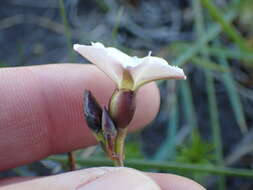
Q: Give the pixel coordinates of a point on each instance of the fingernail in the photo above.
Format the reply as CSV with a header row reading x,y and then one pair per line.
x,y
123,179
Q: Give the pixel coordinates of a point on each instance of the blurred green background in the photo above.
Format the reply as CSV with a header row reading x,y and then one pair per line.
x,y
204,127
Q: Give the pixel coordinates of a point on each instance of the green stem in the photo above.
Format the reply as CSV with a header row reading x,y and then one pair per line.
x,y
118,163
119,147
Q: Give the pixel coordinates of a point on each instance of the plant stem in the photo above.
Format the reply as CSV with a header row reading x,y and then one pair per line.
x,y
118,163
119,147
72,161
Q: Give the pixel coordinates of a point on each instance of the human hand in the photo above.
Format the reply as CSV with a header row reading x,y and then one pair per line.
x,y
41,114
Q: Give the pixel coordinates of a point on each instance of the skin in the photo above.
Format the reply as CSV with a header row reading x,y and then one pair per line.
x,y
41,114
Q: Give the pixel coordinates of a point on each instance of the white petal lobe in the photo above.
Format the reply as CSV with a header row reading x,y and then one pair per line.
x,y
114,62
155,68
99,56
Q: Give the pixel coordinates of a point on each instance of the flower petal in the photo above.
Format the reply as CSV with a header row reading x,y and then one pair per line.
x,y
154,68
124,59
105,61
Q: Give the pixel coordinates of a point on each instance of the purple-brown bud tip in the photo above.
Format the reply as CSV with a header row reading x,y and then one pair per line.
x,y
92,112
122,107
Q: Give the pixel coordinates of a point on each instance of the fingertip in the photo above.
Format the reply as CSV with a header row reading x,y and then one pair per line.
x,y
121,178
112,178
148,100
175,182
104,177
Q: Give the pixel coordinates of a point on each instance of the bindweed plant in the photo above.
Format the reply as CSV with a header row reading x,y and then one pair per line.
x,y
109,124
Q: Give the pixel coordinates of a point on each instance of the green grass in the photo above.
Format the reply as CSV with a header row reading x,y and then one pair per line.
x,y
167,149
116,26
212,33
234,98
211,97
189,109
143,164
227,27
67,32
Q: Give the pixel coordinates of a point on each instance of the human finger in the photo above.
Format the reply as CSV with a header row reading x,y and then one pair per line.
x,y
41,110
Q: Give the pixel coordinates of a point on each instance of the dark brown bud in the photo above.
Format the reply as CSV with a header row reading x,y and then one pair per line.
x,y
122,107
109,131
92,112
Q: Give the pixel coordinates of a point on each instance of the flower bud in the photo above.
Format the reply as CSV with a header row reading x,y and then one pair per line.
x,y
122,107
92,112
109,131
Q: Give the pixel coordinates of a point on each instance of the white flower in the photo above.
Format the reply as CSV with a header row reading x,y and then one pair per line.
x,y
128,72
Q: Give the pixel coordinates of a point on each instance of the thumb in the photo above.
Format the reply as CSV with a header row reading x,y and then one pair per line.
x,y
121,178
112,178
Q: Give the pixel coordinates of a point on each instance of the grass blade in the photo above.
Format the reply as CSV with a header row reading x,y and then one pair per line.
x,y
116,26
228,28
161,165
232,54
66,30
189,109
215,51
212,103
168,147
207,64
214,30
233,95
